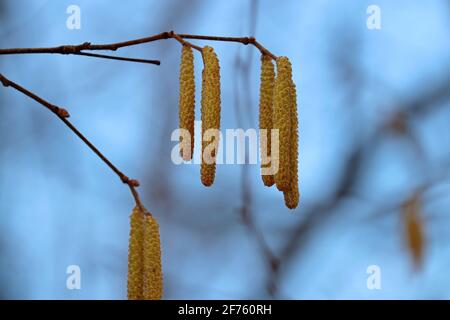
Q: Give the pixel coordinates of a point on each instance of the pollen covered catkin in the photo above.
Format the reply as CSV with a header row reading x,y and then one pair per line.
x,y
210,109
266,114
135,255
292,196
153,279
187,101
282,121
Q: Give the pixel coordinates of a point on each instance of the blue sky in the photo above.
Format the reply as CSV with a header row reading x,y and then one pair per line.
x,y
59,205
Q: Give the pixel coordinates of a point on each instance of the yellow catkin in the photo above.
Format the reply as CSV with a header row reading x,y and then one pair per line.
x,y
135,255
210,111
292,196
266,113
153,279
187,101
282,120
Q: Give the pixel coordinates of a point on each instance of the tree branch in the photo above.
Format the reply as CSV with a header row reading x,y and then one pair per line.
x,y
243,40
87,46
63,114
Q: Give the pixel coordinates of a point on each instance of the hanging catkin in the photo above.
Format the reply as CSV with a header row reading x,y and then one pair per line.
x,y
282,121
153,281
135,255
266,114
291,196
187,101
210,112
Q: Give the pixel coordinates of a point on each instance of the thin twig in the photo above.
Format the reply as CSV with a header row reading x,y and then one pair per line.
x,y
62,114
104,56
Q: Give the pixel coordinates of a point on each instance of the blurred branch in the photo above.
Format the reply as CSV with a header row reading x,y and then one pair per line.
x,y
423,102
87,46
245,210
248,220
63,114
321,212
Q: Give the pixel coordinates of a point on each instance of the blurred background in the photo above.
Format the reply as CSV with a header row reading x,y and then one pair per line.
x,y
374,111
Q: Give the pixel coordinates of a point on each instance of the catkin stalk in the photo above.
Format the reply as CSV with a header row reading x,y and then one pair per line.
x,y
187,102
266,114
210,110
282,121
153,280
292,196
135,255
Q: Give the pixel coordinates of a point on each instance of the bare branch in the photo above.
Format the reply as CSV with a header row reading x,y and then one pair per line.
x,y
62,114
87,46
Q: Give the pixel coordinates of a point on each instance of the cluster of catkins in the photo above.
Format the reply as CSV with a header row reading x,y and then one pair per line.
x,y
277,110
144,257
210,107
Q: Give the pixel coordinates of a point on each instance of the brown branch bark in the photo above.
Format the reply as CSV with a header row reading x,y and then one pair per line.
x,y
87,46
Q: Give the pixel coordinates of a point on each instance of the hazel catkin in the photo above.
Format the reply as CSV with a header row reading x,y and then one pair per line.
x,y
153,279
292,196
282,121
266,114
210,109
135,255
187,102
